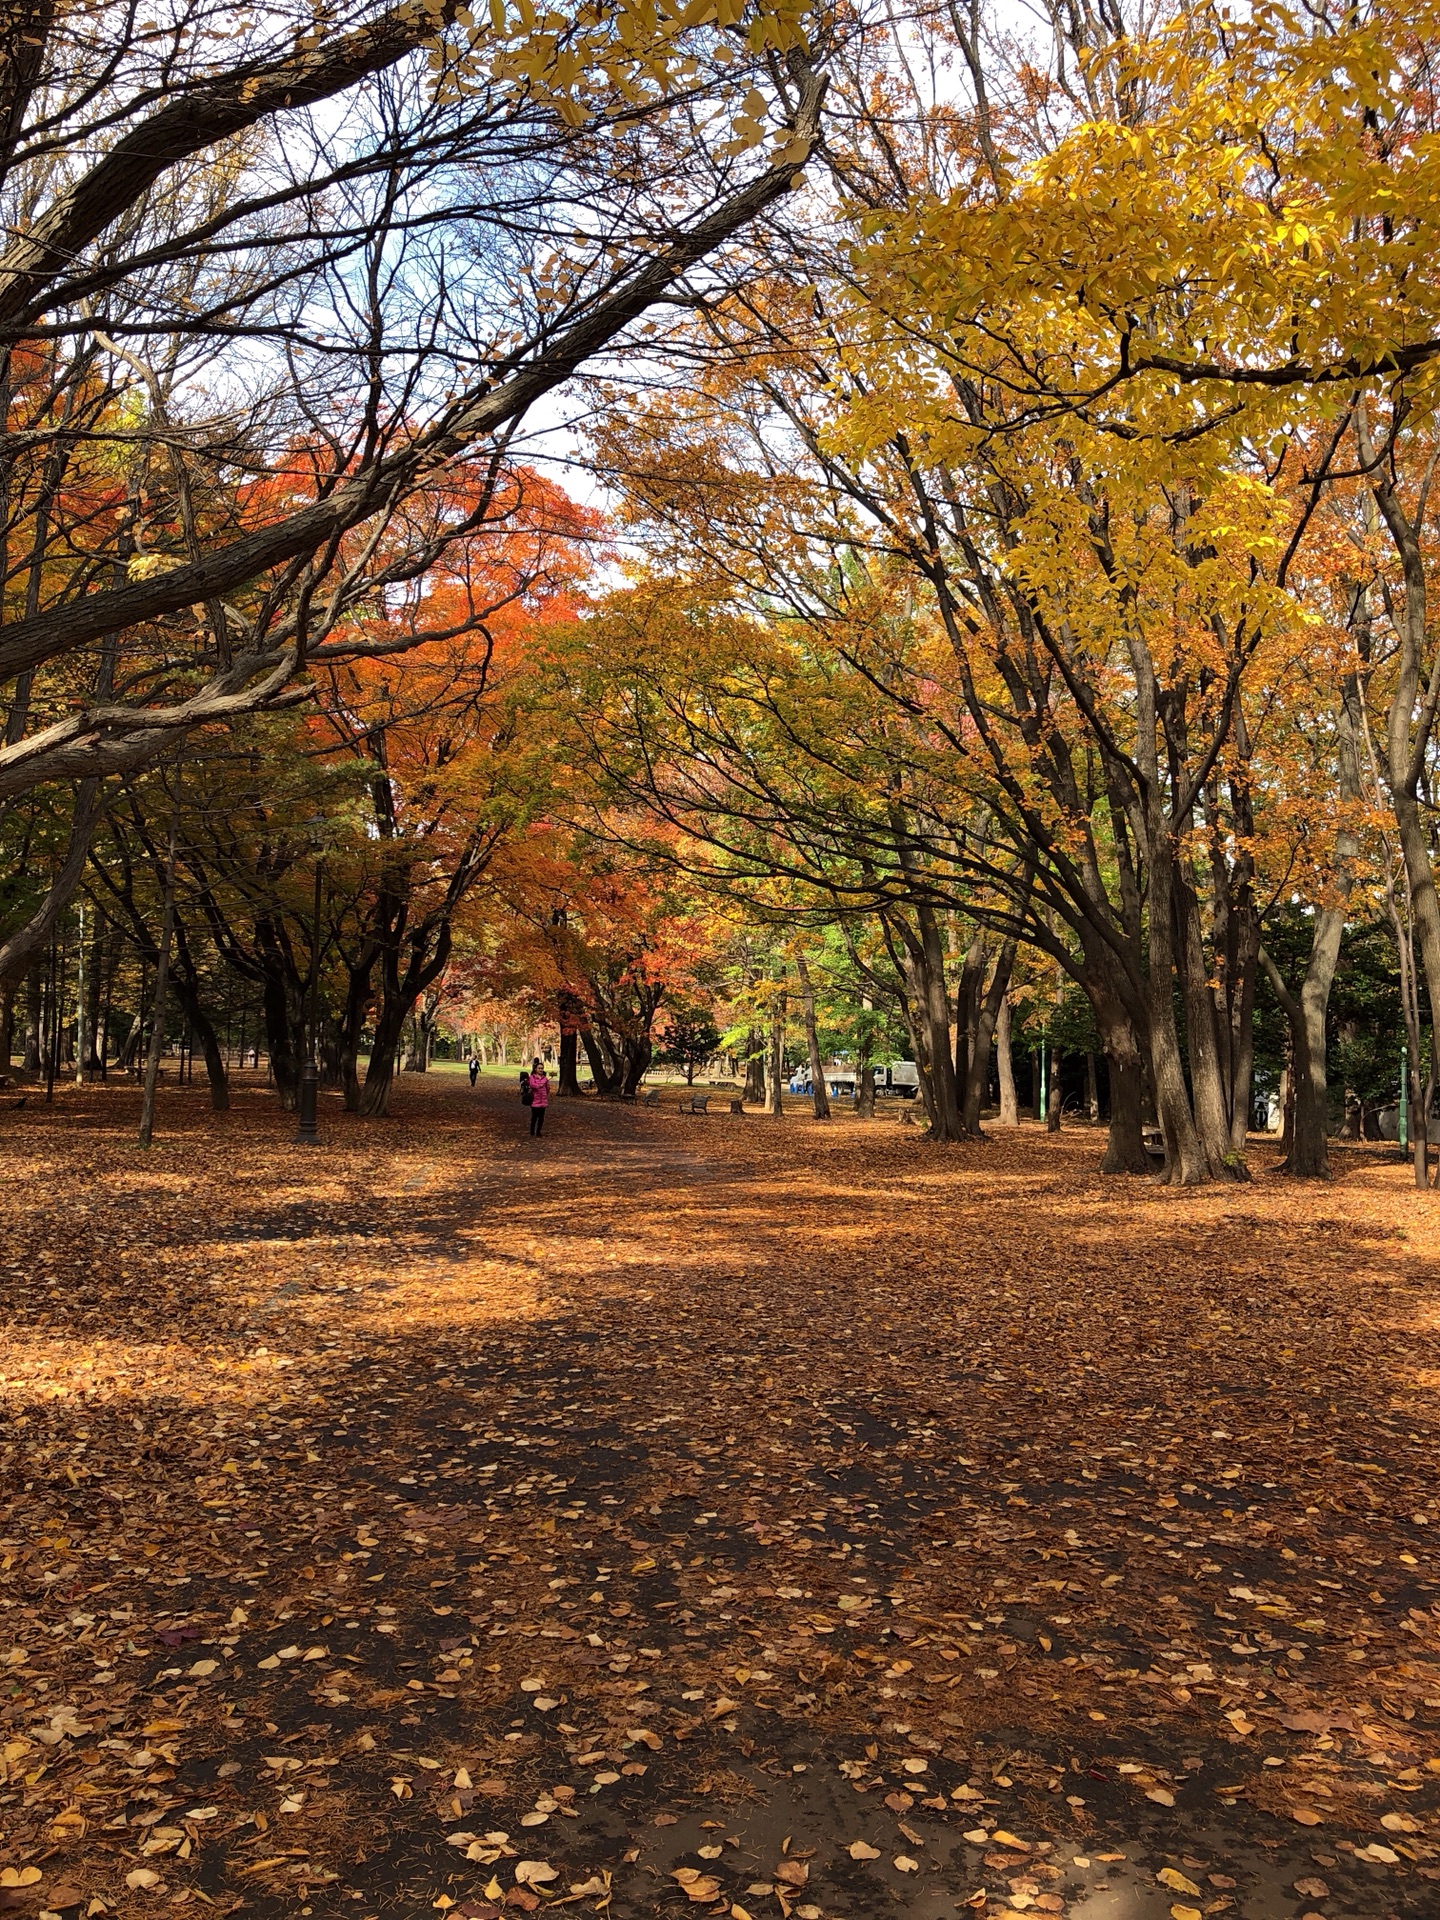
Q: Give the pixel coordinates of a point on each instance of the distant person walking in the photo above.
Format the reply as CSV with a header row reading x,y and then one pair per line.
x,y
474,1066
539,1089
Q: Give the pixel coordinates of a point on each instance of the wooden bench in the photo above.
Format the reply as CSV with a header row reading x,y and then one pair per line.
x,y
695,1103
1154,1142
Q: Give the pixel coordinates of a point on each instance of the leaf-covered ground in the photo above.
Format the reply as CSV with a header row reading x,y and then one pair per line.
x,y
706,1515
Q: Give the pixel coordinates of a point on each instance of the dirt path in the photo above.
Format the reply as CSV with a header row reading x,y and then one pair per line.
x,y
734,1517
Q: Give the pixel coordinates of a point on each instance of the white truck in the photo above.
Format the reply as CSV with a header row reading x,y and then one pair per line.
x,y
897,1077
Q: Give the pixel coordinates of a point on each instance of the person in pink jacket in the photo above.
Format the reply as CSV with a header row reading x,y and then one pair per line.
x,y
539,1096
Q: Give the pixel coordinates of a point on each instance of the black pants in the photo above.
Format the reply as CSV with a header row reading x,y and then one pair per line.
x,y
537,1120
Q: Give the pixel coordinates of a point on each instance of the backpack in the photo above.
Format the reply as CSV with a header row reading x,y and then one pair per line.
x,y
527,1092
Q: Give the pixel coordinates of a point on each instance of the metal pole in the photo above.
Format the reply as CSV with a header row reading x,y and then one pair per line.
x,y
1044,1113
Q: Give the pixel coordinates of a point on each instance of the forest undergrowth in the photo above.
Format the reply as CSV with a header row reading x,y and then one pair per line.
x,y
706,1514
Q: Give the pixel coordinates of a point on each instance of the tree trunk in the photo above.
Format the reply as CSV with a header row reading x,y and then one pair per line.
x,y
34,1003
1188,1162
1052,1113
96,976
130,1045
819,1093
188,994
1407,754
1242,1039
920,958
637,1054
374,1102
1210,1093
359,994
567,1083
426,947
969,994
7,1024
603,1070
775,1064
1005,1061
754,1067
283,1037
945,1122
162,968
1308,1118
865,1093
1092,1087
982,1015
1125,1147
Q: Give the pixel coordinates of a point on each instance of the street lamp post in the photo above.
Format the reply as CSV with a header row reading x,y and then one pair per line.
x,y
306,1134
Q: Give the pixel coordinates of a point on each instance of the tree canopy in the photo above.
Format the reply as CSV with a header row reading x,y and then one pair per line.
x,y
988,573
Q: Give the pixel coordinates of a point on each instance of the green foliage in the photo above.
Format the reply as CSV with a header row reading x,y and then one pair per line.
x,y
690,1037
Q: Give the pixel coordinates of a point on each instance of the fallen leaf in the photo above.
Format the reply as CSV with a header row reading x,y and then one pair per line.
x,y
699,1887
31,1876
534,1873
862,1850
1306,1816
1172,1877
904,1864
1162,1796
1400,1823
140,1877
